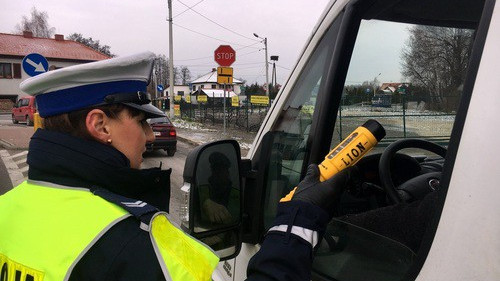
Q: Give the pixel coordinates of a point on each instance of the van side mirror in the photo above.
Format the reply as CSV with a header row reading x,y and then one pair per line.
x,y
212,196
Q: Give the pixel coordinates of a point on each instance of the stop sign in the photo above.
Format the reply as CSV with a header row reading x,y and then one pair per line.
x,y
224,55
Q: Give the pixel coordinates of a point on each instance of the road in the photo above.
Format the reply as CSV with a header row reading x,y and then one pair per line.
x,y
153,159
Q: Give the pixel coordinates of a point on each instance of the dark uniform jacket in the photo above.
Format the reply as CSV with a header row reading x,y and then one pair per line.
x,y
125,252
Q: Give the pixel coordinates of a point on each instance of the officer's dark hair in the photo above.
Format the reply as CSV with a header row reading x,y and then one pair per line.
x,y
73,123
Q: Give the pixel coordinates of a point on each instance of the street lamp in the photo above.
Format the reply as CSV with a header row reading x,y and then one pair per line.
x,y
264,40
375,82
273,74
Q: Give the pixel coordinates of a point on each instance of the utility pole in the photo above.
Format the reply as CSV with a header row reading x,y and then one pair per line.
x,y
171,58
266,62
267,68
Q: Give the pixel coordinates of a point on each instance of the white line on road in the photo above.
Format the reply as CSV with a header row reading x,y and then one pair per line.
x,y
16,176
24,169
19,154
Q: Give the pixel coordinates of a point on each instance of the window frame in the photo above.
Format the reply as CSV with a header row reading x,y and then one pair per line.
x,y
3,72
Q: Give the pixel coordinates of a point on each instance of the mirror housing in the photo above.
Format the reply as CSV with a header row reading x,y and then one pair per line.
x,y
211,200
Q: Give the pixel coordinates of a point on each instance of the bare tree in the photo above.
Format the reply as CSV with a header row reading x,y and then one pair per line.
x,y
94,44
436,58
162,70
38,24
185,75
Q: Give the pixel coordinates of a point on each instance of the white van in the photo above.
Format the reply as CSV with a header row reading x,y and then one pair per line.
x,y
448,53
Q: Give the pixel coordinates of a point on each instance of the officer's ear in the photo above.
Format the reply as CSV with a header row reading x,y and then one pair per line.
x,y
97,124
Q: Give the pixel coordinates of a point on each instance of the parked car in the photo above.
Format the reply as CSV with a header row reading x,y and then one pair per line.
x,y
23,110
165,135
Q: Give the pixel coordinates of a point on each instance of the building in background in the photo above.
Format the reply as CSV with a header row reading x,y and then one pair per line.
x,y
207,85
58,52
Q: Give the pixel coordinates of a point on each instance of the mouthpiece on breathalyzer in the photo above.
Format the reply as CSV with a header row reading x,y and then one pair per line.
x,y
351,149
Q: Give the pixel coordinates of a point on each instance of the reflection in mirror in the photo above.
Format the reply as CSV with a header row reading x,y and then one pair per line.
x,y
217,201
224,244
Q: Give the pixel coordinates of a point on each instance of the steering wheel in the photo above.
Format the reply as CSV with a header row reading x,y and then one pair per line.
x,y
414,185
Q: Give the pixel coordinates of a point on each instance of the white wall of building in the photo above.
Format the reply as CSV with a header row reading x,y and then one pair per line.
x,y
177,89
10,87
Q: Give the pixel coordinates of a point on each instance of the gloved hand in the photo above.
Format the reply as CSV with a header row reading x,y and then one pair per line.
x,y
216,213
322,194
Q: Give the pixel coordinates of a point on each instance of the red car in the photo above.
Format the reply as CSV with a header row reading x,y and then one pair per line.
x,y
165,135
23,110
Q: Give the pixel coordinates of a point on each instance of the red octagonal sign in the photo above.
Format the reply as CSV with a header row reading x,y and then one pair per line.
x,y
224,55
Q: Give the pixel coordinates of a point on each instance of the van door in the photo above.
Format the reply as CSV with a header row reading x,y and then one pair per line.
x,y
425,56
16,111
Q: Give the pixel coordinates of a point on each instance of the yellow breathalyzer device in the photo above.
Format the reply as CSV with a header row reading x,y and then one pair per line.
x,y
351,149
348,152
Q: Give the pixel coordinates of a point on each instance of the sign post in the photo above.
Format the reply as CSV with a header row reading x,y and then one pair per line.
x,y
224,55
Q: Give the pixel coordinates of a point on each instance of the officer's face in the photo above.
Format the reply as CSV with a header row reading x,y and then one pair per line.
x,y
129,135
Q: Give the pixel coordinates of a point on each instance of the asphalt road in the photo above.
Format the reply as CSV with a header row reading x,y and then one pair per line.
x,y
153,159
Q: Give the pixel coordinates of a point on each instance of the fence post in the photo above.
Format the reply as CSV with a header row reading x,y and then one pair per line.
x,y
340,124
404,116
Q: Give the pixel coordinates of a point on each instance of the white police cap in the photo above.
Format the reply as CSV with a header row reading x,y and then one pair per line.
x,y
117,80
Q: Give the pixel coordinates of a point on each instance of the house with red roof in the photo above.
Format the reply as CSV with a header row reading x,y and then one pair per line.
x,y
58,52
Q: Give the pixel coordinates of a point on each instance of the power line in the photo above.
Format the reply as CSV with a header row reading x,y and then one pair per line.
x,y
211,57
250,46
248,53
247,63
249,38
250,67
199,33
187,9
283,67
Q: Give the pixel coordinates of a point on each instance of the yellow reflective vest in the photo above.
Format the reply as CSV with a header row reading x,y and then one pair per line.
x,y
46,229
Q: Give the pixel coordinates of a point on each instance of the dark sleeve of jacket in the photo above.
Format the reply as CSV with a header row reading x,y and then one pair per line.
x,y
283,255
124,253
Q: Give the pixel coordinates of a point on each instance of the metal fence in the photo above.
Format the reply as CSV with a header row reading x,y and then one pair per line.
x,y
247,117
398,121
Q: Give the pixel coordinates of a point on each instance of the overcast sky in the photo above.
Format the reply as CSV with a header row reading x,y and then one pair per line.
x,y
130,26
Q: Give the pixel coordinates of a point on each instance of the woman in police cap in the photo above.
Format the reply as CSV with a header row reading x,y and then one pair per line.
x,y
82,213
87,212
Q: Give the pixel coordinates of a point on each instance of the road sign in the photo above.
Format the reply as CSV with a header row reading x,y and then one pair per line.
x,y
159,88
224,55
261,100
34,64
224,75
235,101
202,99
177,110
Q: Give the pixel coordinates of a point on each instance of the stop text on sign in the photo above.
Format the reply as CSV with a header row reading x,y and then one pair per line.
x,y
224,55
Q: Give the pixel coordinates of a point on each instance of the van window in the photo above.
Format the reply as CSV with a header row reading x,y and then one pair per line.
x,y
293,125
412,85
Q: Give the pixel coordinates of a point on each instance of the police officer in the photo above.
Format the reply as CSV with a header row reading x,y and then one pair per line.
x,y
82,213
87,212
